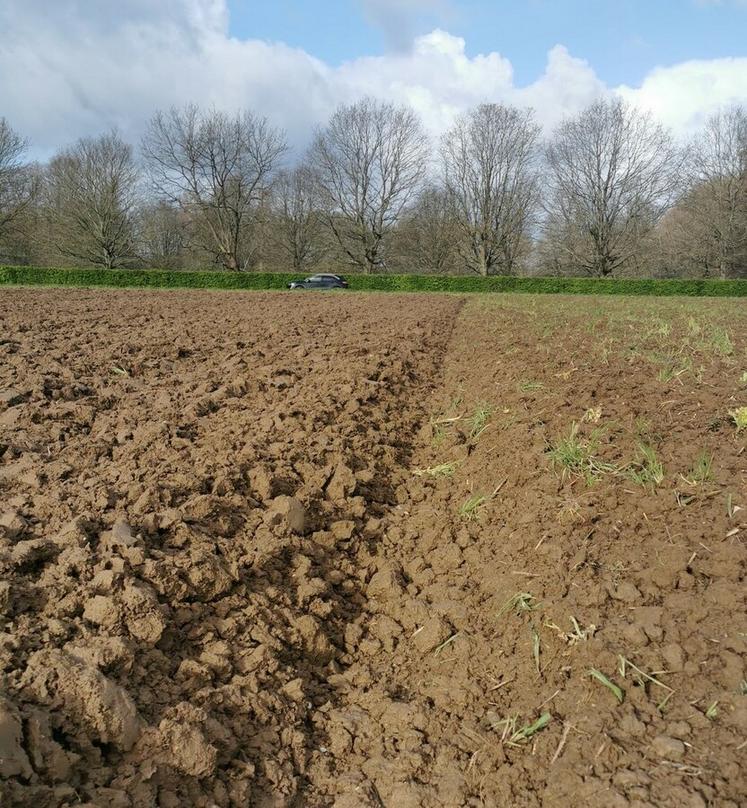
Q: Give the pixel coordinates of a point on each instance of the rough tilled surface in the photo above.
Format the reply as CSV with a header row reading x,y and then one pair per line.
x,y
469,632
325,551
187,484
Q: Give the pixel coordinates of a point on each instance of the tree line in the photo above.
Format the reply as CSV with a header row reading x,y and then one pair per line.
x,y
609,192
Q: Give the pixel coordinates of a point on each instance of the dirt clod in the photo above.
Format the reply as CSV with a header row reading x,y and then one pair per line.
x,y
184,747
430,635
101,610
13,759
105,709
288,511
12,524
669,748
10,398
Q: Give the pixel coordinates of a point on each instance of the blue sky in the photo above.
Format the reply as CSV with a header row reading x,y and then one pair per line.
x,y
72,68
622,39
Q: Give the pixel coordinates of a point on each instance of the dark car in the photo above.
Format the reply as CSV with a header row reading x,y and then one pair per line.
x,y
322,281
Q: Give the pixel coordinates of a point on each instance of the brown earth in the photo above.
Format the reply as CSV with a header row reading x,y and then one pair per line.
x,y
278,550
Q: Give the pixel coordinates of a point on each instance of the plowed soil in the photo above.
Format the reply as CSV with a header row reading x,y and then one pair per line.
x,y
346,550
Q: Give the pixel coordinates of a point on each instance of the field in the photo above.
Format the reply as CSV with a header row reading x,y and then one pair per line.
x,y
372,550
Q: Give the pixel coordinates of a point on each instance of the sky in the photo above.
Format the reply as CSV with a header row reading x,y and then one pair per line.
x,y
72,68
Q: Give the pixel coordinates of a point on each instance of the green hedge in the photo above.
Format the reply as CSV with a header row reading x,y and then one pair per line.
x,y
142,278
39,276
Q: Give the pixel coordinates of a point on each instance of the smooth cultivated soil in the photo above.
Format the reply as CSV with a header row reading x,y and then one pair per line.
x,y
263,549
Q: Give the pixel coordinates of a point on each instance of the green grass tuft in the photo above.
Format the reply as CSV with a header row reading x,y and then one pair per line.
x,y
608,683
529,387
739,416
478,421
526,732
470,509
575,456
702,470
521,603
441,470
646,469
719,341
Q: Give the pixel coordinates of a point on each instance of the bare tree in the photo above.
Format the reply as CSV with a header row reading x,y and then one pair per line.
x,y
17,184
489,161
218,168
297,220
161,235
91,195
425,239
369,162
613,173
711,225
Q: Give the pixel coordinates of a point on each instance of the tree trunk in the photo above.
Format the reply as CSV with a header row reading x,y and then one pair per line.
x,y
482,261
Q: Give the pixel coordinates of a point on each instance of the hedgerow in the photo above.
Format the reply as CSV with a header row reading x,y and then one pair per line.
x,y
162,279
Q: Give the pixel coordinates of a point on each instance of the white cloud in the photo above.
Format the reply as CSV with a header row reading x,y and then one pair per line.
x,y
684,95
73,68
